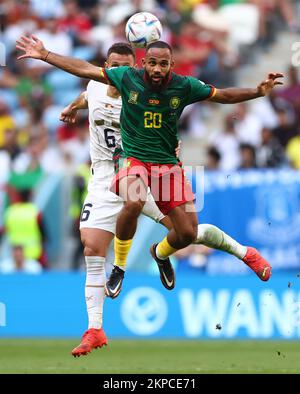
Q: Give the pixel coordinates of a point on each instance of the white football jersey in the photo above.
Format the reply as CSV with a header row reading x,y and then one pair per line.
x,y
104,120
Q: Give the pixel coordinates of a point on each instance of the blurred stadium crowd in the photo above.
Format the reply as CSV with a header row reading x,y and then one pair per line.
x,y
212,39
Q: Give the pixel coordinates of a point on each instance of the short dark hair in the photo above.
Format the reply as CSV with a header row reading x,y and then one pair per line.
x,y
249,147
121,48
159,44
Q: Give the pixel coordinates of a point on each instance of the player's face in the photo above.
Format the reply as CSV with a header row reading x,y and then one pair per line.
x,y
158,64
117,60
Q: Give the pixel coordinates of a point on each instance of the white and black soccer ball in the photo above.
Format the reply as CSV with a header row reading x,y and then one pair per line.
x,y
142,29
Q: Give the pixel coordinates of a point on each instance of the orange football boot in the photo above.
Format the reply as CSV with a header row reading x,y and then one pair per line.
x,y
258,264
91,339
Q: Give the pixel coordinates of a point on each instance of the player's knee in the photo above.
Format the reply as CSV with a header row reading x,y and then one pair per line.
x,y
89,251
133,208
188,235
90,248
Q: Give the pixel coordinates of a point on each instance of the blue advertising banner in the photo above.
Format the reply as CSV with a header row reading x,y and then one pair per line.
x,y
203,307
259,208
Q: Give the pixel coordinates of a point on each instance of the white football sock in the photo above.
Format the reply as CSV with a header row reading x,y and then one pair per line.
x,y
215,238
94,289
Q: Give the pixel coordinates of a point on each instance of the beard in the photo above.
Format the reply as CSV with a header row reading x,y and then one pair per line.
x,y
160,84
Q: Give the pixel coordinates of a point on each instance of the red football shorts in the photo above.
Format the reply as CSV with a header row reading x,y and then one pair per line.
x,y
167,182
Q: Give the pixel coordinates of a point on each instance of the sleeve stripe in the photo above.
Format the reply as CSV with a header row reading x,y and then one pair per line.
x,y
213,92
103,73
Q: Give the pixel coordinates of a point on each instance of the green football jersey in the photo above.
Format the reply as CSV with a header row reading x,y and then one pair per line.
x,y
149,117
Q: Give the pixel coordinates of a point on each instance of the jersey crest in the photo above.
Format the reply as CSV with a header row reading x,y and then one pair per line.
x,y
174,102
133,96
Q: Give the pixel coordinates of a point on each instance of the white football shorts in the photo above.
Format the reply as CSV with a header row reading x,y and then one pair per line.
x,y
101,206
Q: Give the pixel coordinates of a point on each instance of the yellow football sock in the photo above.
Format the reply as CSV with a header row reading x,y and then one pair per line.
x,y
164,249
121,252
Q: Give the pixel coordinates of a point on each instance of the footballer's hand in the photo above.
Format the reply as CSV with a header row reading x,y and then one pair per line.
x,y
266,86
178,149
32,48
68,115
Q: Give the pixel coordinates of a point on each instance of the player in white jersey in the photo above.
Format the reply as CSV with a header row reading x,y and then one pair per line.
x,y
101,207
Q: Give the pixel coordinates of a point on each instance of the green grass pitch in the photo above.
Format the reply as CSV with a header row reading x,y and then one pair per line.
x,y
157,357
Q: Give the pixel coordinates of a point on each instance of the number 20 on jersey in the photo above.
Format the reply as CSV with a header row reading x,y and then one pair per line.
x,y
152,120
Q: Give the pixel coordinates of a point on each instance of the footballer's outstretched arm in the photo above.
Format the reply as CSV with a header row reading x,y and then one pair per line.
x,y
68,114
34,48
237,95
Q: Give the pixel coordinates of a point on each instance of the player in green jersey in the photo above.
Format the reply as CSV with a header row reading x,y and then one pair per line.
x,y
153,100
150,114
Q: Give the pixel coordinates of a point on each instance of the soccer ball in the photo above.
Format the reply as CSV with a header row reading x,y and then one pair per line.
x,y
142,29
